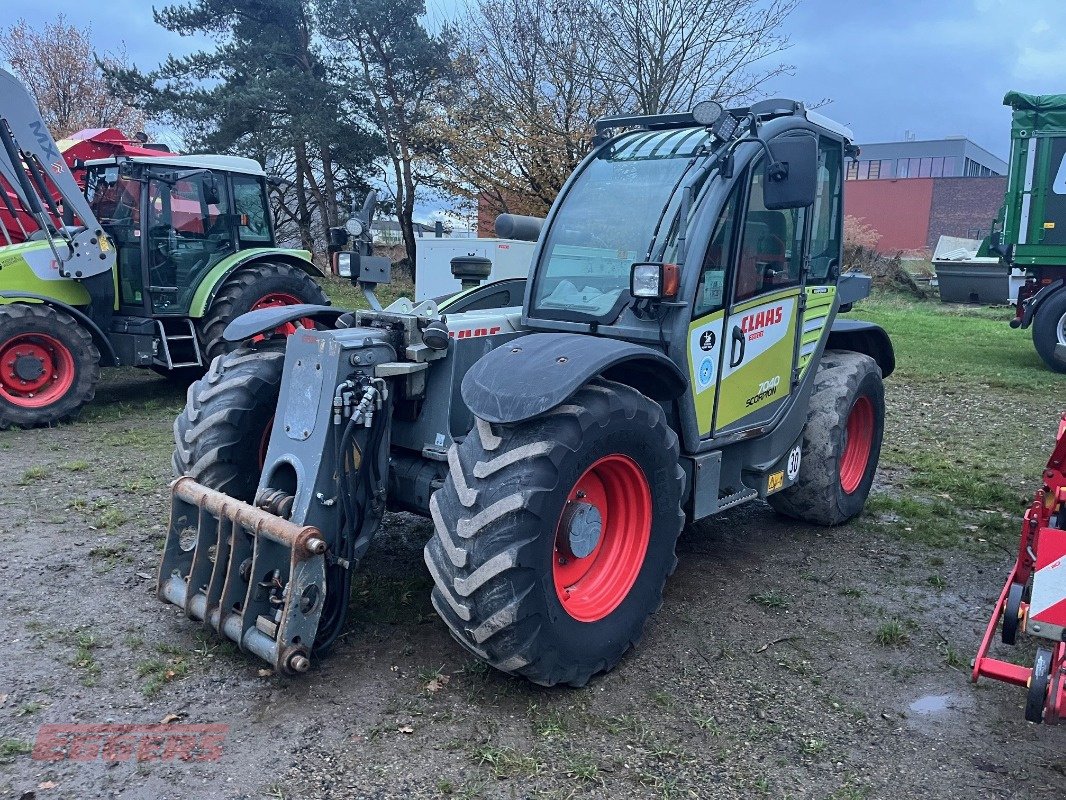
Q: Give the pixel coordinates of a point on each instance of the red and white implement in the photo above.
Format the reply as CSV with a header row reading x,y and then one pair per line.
x,y
1034,599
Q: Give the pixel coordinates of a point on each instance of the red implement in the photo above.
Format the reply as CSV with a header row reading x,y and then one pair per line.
x,y
78,147
1033,599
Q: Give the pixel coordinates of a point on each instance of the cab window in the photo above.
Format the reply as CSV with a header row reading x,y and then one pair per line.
x,y
826,217
249,204
771,251
710,291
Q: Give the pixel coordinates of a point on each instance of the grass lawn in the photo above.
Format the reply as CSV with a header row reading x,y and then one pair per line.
x,y
972,414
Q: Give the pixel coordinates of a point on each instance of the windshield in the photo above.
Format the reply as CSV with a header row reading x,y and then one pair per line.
x,y
609,220
115,200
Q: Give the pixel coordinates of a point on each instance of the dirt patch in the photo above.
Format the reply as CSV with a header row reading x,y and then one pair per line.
x,y
786,660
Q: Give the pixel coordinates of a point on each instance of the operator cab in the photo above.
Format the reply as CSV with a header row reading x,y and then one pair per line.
x,y
172,220
713,236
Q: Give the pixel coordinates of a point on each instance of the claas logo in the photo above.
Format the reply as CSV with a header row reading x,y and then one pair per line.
x,y
470,333
753,324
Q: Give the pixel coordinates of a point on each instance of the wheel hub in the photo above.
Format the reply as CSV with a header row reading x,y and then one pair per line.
x,y
583,526
36,369
28,367
602,537
274,300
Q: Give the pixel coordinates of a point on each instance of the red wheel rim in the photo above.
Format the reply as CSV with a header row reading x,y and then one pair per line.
x,y
36,370
593,586
859,438
275,299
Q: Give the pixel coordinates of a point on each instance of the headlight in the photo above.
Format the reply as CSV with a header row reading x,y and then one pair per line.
x,y
706,112
646,279
657,281
344,265
354,227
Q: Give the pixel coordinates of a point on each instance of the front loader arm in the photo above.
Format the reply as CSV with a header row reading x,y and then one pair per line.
x,y
35,171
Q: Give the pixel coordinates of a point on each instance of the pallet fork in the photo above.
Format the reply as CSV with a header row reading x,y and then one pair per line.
x,y
1033,599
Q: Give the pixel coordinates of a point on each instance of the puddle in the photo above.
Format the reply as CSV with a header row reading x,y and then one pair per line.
x,y
932,704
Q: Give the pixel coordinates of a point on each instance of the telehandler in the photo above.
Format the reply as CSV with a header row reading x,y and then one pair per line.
x,y
143,268
678,352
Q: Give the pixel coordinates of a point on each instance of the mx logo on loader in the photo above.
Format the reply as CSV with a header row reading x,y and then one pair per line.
x,y
44,141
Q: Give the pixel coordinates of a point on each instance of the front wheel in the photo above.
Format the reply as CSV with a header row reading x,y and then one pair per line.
x,y
554,536
49,366
841,442
1049,330
221,436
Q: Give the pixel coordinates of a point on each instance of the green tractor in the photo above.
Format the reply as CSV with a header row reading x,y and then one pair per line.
x,y
144,267
680,350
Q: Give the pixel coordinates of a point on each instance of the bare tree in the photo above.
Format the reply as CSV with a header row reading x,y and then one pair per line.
x,y
538,73
57,64
666,55
528,100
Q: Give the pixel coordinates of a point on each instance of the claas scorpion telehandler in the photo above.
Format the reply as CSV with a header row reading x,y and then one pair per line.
x,y
678,352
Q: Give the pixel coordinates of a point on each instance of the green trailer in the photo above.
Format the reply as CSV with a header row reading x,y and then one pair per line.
x,y
1031,230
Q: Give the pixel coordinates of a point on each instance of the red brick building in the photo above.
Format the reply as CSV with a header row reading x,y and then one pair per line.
x,y
914,192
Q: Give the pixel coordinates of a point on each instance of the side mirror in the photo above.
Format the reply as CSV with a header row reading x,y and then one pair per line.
x,y
211,194
791,175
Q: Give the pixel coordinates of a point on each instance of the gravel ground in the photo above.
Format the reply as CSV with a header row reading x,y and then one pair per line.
x,y
762,675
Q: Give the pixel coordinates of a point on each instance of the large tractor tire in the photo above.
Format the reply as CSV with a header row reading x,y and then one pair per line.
x,y
841,442
221,436
554,536
49,366
1049,330
261,285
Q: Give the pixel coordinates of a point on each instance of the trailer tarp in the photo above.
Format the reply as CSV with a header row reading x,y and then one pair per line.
x,y
1036,112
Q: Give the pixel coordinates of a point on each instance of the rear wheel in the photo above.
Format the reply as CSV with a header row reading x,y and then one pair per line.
x,y
841,442
554,536
263,285
49,365
221,435
1049,330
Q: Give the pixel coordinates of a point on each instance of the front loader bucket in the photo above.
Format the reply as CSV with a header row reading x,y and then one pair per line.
x,y
253,577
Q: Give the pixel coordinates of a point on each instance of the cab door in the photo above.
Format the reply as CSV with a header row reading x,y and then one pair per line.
x,y
758,351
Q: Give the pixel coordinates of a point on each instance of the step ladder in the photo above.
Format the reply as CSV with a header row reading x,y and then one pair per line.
x,y
736,498
181,347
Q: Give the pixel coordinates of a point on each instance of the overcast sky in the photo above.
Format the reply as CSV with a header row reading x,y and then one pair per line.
x,y
933,67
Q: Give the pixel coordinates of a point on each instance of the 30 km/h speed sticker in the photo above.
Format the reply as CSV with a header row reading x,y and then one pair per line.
x,y
794,463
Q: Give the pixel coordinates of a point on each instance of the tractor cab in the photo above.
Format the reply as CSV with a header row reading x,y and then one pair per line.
x,y
173,220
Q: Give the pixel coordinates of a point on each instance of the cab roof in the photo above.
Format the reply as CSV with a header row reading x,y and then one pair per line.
x,y
246,166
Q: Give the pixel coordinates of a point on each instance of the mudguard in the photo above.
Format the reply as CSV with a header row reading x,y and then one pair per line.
x,y
212,282
1033,303
866,338
253,323
535,373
